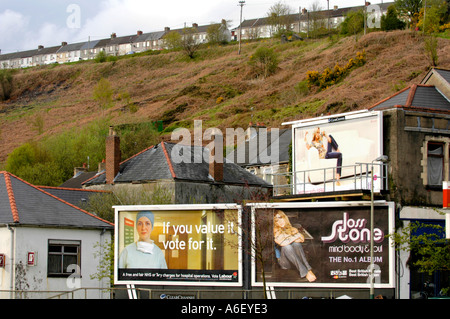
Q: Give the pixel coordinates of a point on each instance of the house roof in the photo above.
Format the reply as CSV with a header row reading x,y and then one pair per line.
x,y
25,204
74,196
295,17
169,161
76,181
280,145
416,97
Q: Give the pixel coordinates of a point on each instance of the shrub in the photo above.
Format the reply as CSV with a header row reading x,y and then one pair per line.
x,y
333,76
6,84
101,57
264,62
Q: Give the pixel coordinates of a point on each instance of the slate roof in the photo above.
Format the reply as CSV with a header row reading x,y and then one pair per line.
x,y
416,97
444,73
76,181
250,149
74,196
26,204
169,161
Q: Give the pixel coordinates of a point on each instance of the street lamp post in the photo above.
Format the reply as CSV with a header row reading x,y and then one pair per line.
x,y
383,159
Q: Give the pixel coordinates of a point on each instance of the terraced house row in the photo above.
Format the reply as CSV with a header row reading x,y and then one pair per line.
x,y
263,27
112,46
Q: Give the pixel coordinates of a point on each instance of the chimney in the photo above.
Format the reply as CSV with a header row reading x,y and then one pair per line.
x,y
78,170
166,29
40,47
139,32
64,43
113,35
335,8
216,158
195,25
101,166
112,156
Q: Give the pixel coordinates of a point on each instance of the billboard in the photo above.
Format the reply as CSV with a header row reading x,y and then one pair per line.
x,y
335,153
178,245
322,244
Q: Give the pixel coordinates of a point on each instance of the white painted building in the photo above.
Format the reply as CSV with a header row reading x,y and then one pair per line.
x,y
47,245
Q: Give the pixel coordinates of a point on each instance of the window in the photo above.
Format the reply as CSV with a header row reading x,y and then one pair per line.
x,y
61,255
435,163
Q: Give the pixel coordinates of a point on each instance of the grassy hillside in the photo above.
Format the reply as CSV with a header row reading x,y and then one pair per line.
x,y
217,87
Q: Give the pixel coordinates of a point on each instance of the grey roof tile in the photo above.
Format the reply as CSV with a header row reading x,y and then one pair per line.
x,y
153,164
416,96
37,207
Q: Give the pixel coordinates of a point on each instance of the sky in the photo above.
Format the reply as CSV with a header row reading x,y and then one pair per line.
x,y
26,24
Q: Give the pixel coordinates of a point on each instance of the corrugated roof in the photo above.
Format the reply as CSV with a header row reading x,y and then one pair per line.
x,y
26,204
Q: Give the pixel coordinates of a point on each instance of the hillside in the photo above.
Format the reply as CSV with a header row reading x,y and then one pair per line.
x,y
217,87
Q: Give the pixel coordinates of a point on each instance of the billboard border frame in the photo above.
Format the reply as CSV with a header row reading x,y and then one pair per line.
x,y
391,254
181,207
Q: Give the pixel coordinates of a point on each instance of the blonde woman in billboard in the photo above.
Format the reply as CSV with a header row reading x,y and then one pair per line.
x,y
290,241
143,253
332,150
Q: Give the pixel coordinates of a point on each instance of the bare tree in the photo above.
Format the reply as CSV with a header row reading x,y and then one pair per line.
x,y
280,18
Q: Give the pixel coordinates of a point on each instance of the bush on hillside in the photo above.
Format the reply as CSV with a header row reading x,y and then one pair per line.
x,y
264,62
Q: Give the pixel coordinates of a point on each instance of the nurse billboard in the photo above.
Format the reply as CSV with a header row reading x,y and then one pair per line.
x,y
323,244
178,245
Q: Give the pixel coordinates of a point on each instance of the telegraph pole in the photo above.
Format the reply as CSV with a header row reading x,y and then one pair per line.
x,y
241,4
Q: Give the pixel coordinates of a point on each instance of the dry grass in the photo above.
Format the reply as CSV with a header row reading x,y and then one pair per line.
x,y
62,95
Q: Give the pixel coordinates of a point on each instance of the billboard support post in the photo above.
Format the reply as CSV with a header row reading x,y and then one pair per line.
x,y
383,159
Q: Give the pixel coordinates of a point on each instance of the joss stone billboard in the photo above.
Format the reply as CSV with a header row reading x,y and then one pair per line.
x,y
323,244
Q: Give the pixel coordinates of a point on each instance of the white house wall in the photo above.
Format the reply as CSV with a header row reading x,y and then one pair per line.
x,y
34,278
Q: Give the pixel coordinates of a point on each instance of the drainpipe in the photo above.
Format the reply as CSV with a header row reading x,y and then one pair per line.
x,y
11,260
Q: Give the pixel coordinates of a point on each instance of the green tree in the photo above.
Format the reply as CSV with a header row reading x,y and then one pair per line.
x,y
435,14
103,93
409,9
172,40
353,23
264,62
431,247
6,84
189,42
390,21
136,137
216,33
101,57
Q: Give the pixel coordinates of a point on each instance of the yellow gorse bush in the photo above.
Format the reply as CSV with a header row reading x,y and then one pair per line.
x,y
332,76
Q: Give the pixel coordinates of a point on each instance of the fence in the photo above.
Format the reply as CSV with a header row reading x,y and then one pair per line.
x,y
357,177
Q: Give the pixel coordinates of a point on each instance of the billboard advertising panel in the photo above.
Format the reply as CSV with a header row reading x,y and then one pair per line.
x,y
333,153
178,245
322,244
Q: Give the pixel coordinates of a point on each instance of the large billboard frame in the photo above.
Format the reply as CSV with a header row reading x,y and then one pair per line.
x,y
331,124
327,205
179,208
